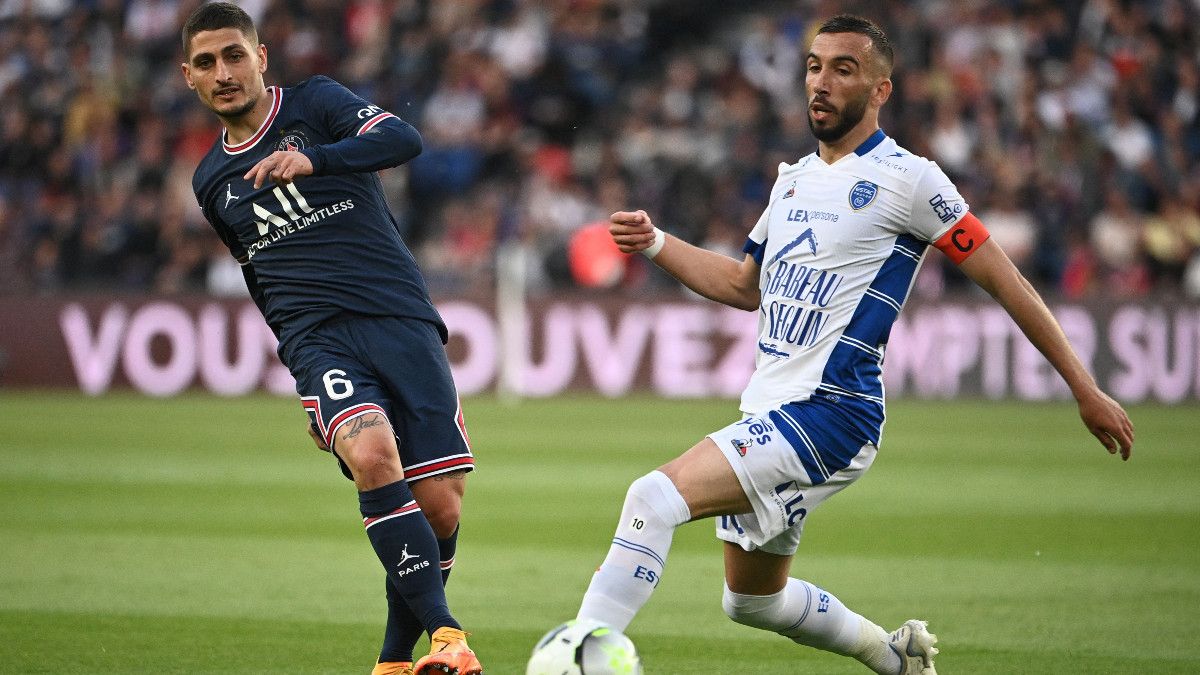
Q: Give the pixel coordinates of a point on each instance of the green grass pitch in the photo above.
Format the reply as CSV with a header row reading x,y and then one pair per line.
x,y
206,535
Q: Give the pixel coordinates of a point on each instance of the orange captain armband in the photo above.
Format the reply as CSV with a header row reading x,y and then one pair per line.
x,y
963,239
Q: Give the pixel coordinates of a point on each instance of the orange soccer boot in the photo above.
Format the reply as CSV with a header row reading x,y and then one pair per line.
x,y
448,655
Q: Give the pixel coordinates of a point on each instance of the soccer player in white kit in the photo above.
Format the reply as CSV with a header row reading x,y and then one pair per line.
x,y
828,265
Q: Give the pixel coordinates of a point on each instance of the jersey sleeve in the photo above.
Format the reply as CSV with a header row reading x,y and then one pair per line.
x,y
936,205
756,241
942,217
367,137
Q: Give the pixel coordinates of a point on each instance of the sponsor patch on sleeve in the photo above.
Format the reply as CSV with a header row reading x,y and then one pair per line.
x,y
963,238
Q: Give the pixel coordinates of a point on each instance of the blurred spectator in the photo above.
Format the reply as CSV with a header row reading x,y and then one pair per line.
x,y
1073,127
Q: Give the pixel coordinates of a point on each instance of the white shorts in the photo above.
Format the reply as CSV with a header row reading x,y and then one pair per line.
x,y
788,461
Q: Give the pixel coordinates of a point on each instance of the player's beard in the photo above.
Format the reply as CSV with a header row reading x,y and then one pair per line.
x,y
239,111
847,118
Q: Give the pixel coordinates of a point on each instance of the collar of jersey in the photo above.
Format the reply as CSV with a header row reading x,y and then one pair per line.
x,y
276,100
863,148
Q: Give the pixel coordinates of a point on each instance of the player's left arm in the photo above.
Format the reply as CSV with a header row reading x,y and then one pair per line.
x,y
369,138
941,215
987,265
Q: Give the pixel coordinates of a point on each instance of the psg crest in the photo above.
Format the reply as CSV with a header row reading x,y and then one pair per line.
x,y
862,194
292,141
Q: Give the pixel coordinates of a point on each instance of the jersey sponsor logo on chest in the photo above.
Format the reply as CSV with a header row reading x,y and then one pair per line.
x,y
804,216
272,227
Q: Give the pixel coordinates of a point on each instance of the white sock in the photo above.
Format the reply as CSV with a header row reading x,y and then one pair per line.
x,y
813,617
634,565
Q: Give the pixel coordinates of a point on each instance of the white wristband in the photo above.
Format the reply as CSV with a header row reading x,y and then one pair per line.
x,y
660,240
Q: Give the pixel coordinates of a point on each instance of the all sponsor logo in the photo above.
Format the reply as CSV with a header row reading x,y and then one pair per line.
x,y
741,445
862,194
791,191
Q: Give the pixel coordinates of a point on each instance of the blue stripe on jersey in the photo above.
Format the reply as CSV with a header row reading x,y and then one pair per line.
x,y
755,249
853,373
869,144
825,435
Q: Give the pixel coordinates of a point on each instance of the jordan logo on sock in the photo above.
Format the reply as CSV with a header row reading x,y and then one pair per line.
x,y
405,557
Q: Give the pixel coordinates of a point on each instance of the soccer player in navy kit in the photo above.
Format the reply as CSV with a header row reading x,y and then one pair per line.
x,y
290,188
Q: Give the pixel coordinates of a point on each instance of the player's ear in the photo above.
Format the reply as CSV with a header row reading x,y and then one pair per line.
x,y
883,91
262,58
187,75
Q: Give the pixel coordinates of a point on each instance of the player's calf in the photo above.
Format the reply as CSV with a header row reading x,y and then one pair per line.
x,y
814,617
634,564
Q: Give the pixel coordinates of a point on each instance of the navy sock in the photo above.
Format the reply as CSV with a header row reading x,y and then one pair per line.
x,y
403,629
407,548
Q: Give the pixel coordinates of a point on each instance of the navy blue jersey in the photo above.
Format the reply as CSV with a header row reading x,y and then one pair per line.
x,y
326,244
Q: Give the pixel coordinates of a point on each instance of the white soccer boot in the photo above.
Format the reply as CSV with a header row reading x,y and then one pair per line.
x,y
913,643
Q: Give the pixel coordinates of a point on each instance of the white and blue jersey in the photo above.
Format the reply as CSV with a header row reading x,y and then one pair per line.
x,y
839,246
327,244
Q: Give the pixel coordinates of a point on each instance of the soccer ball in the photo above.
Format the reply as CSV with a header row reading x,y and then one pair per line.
x,y
584,647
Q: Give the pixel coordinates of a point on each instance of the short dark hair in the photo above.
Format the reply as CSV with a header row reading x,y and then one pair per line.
x,y
850,23
215,16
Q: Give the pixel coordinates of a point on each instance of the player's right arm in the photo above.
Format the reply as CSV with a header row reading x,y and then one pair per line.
x,y
715,276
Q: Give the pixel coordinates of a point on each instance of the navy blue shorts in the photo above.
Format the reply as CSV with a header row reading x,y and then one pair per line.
x,y
349,367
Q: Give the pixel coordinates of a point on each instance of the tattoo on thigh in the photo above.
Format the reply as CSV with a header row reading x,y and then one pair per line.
x,y
453,475
359,423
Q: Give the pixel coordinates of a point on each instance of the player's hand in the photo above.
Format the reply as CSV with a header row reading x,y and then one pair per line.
x,y
280,167
631,230
1107,421
313,434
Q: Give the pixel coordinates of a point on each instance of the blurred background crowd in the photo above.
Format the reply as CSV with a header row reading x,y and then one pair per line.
x,y
1072,127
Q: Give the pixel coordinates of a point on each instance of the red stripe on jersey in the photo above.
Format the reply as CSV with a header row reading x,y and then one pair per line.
x,y
314,404
462,425
963,238
439,467
410,507
277,93
372,122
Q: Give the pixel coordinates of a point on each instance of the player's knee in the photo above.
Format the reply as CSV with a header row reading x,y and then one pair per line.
x,y
657,491
755,611
443,517
441,498
372,457
367,458
644,488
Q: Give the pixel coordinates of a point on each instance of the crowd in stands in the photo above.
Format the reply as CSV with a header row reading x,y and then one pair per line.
x,y
1072,127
